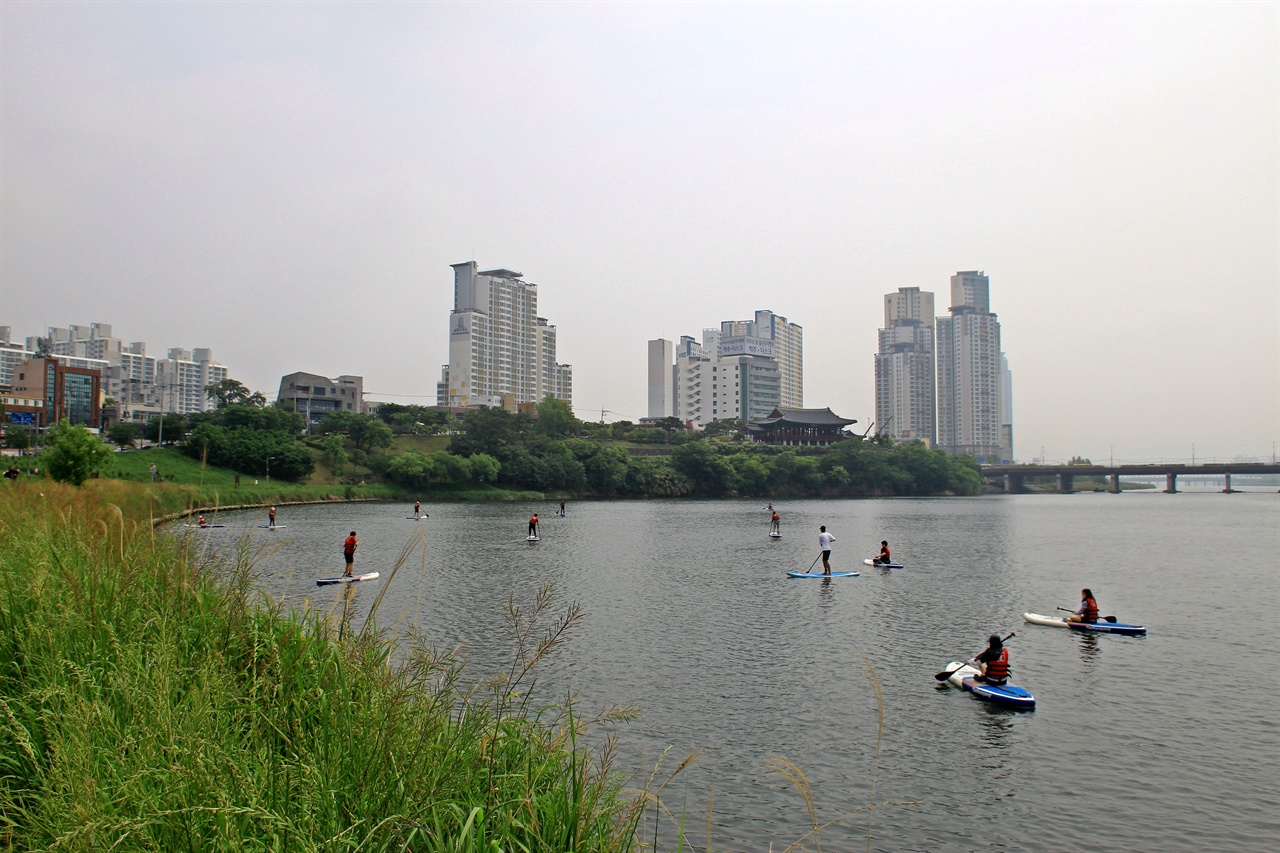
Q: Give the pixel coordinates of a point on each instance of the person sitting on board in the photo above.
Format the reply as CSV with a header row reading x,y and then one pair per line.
x,y
417,509
993,664
203,523
775,525
883,559
1088,612
533,525
271,517
349,553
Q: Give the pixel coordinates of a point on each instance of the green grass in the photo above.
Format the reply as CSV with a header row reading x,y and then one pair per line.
x,y
145,706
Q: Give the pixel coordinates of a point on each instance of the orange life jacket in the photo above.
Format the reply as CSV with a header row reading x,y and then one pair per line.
x,y
1090,610
998,669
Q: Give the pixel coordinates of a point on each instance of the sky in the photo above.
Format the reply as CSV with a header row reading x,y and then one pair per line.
x,y
287,184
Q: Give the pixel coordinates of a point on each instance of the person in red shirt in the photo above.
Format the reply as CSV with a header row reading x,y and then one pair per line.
x,y
884,559
349,553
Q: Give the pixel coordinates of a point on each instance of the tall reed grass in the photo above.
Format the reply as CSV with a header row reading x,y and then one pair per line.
x,y
145,705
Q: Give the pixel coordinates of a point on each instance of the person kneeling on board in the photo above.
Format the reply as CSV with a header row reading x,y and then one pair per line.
x,y
993,664
349,553
883,559
1088,611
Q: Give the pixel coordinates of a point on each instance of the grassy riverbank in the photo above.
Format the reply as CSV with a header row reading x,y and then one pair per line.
x,y
144,706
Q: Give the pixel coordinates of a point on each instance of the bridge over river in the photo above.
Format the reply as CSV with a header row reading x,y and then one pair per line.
x,y
1014,475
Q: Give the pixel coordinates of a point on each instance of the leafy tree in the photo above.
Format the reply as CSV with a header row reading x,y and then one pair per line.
x,y
484,468
230,392
669,425
175,428
123,434
489,430
555,418
367,432
606,470
17,438
333,449
708,472
752,475
72,453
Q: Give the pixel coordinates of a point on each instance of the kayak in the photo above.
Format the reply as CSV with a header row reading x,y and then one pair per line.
x,y
1099,627
821,575
872,562
1001,694
326,581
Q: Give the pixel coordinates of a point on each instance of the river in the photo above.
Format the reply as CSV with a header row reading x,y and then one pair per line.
x,y
1166,742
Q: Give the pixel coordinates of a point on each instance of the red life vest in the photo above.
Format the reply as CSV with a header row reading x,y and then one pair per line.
x,y
998,669
1090,610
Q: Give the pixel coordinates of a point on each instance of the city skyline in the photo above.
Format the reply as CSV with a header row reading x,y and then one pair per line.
x,y
292,198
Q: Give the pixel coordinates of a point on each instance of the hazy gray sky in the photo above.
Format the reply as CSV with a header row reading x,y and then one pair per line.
x,y
287,183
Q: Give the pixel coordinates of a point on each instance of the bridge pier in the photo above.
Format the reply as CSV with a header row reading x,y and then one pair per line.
x,y
1065,482
1226,483
1012,484
1171,483
1115,483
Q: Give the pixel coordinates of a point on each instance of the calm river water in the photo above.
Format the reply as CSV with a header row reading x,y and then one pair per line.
x,y
1169,742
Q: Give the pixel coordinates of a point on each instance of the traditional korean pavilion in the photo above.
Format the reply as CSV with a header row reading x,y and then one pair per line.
x,y
802,427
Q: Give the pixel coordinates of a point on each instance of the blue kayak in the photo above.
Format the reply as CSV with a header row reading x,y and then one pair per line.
x,y
1002,694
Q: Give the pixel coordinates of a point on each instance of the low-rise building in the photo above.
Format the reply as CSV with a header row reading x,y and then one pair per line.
x,y
316,396
74,393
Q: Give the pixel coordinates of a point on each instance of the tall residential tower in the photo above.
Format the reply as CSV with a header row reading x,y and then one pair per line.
x,y
501,353
970,373
905,384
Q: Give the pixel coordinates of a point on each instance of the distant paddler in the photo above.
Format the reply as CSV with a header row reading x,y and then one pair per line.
x,y
775,523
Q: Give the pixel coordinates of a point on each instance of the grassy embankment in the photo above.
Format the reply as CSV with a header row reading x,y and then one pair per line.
x,y
144,706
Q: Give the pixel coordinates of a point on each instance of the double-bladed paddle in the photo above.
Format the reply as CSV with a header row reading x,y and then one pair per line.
x,y
947,673
1103,618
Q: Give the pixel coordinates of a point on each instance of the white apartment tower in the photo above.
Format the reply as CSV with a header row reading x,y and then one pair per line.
x,y
905,385
662,397
969,372
501,353
772,336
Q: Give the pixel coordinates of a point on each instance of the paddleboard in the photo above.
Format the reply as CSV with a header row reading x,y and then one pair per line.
x,y
356,579
1099,627
417,517
1002,694
775,535
533,539
871,562
273,527
821,575
205,526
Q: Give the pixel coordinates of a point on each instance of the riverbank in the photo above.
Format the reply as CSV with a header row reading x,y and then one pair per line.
x,y
145,705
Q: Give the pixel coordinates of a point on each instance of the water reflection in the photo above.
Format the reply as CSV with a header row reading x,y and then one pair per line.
x,y
1090,651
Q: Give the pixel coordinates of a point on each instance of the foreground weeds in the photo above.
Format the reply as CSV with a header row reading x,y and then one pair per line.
x,y
144,706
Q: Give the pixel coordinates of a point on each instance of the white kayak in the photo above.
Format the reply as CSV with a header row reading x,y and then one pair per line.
x,y
356,579
1102,626
1001,694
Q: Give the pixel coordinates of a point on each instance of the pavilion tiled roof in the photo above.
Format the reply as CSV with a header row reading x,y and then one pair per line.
x,y
787,417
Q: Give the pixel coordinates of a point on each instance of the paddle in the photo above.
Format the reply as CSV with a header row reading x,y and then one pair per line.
x,y
947,673
814,563
1103,618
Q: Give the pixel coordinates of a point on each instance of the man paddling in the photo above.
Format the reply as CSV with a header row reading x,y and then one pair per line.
x,y
533,525
349,553
775,524
417,509
824,543
271,517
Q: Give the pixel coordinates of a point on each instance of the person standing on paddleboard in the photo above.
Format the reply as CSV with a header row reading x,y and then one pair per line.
x,y
1088,612
533,525
775,523
824,542
271,517
417,509
349,553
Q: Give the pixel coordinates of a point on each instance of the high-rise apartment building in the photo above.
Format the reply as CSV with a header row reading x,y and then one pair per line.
x,y
662,395
905,385
742,370
501,353
969,372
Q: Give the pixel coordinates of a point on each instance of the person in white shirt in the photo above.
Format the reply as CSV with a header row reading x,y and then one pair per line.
x,y
824,542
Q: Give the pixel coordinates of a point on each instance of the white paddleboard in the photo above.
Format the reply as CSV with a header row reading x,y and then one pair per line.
x,y
533,539
273,527
775,535
872,562
356,579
